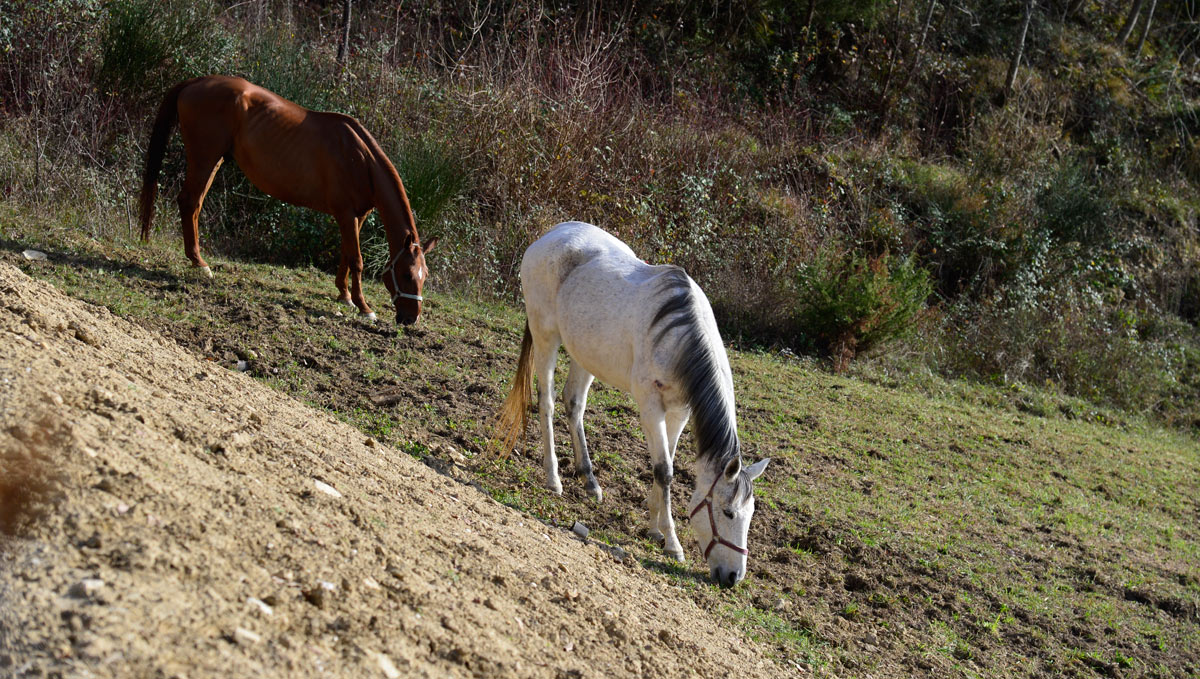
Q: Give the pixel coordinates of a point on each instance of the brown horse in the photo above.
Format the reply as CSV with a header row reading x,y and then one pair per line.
x,y
324,161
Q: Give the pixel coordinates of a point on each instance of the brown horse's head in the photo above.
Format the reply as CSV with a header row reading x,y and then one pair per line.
x,y
405,276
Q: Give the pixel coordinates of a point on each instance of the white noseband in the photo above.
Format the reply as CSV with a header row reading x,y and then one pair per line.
x,y
391,267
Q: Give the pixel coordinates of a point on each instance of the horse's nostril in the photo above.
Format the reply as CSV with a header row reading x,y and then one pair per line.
x,y
732,577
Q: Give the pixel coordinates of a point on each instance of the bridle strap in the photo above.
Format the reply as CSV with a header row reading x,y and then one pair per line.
x,y
716,538
391,269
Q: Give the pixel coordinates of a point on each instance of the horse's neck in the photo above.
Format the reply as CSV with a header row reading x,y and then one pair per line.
x,y
392,203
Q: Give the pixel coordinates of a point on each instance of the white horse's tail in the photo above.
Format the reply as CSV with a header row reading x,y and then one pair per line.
x,y
510,421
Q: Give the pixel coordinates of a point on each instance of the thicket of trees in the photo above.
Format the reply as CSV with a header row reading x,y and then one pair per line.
x,y
1011,186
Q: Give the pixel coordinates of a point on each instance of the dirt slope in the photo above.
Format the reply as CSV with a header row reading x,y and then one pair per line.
x,y
204,525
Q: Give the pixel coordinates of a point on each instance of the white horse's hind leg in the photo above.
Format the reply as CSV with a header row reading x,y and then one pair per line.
x,y
545,355
575,398
654,424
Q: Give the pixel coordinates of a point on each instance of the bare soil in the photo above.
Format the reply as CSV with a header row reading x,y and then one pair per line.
x,y
182,520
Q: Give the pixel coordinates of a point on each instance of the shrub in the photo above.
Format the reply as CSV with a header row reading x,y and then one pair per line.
x,y
148,45
433,179
849,303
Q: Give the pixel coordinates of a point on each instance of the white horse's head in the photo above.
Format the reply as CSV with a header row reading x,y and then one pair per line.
x,y
720,512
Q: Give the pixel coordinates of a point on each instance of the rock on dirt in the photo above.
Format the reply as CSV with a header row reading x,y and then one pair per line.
x,y
207,463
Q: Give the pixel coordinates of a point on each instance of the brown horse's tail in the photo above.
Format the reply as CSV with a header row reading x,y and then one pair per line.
x,y
164,122
510,423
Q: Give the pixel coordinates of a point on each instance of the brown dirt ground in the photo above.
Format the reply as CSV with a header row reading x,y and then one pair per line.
x,y
186,530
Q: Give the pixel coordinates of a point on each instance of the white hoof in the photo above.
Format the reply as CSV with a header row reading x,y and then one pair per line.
x,y
207,271
678,556
596,494
369,317
554,487
346,301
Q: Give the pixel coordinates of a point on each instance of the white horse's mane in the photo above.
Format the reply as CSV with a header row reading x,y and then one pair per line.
x,y
698,367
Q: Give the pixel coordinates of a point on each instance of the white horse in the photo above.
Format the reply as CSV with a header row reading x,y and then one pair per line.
x,y
649,331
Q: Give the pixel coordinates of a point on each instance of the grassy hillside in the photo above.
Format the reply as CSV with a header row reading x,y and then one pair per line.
x,y
942,532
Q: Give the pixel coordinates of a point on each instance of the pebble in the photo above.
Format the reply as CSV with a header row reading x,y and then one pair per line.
x,y
34,255
86,588
260,605
580,529
386,666
326,488
245,636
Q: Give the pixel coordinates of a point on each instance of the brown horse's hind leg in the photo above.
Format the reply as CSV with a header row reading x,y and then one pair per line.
x,y
200,173
343,290
352,260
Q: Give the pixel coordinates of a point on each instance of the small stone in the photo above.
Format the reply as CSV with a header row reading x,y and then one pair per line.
x,y
370,583
34,255
386,666
245,637
580,529
86,588
250,355
316,597
370,442
261,605
326,488
242,366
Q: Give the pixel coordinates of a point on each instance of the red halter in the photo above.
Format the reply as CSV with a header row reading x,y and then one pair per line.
x,y
716,538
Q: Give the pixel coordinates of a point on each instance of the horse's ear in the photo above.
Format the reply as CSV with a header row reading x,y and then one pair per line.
x,y
755,470
732,468
429,244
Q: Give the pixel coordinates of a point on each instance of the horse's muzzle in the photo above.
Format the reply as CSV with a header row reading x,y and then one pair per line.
x,y
726,578
405,320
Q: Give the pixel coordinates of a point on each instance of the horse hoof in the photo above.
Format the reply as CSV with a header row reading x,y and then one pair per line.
x,y
677,556
654,535
595,493
346,301
369,317
207,271
555,488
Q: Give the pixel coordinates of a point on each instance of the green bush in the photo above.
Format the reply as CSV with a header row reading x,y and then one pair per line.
x,y
433,178
848,303
149,45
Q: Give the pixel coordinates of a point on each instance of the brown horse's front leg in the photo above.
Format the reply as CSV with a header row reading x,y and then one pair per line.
x,y
352,257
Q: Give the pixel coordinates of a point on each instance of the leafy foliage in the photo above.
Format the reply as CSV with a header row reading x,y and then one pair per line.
x,y
848,303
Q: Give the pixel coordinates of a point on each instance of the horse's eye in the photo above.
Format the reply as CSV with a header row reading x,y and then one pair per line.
x,y
728,514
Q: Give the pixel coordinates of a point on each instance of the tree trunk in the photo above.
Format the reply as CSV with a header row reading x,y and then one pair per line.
x,y
808,20
1145,28
1130,22
344,46
916,60
1020,52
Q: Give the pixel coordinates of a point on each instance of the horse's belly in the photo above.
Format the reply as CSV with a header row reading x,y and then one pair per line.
x,y
609,359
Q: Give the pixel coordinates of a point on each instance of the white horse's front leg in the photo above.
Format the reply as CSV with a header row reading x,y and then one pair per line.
x,y
544,359
662,527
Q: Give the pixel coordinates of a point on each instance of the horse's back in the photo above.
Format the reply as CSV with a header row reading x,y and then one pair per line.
x,y
309,158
